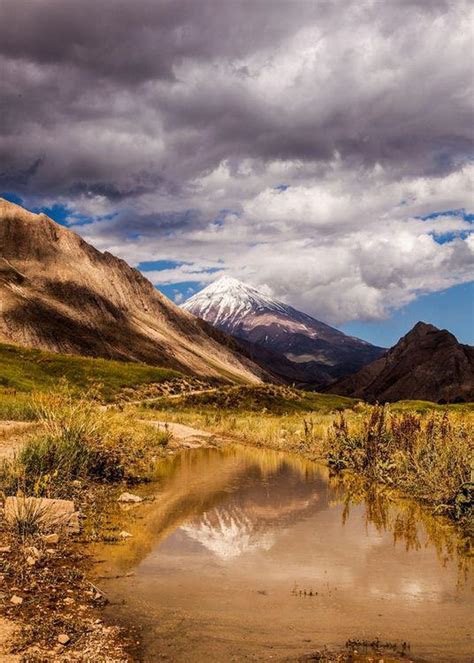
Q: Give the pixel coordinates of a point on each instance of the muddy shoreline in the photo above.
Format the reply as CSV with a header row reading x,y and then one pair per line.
x,y
49,607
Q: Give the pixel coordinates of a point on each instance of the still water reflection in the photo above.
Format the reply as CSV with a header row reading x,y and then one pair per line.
x,y
249,554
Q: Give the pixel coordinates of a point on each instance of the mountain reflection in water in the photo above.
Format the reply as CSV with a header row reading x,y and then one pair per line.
x,y
225,526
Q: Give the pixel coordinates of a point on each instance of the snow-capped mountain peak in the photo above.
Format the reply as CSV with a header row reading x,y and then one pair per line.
x,y
302,348
228,300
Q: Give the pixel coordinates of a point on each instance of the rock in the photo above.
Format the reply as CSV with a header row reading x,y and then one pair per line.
x,y
63,639
33,551
125,535
129,497
47,512
51,538
31,561
16,600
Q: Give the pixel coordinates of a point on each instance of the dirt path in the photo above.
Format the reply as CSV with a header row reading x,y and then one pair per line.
x,y
185,436
166,397
7,632
12,434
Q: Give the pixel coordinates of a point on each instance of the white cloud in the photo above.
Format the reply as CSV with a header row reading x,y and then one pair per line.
x,y
364,109
347,247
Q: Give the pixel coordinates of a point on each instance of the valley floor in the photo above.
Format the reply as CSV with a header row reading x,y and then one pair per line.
x,y
418,450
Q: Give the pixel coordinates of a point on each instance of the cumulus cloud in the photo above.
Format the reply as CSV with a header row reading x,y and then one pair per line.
x,y
298,148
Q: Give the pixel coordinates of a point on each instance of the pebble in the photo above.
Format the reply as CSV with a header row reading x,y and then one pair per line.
x,y
129,497
125,535
63,639
16,600
51,538
32,551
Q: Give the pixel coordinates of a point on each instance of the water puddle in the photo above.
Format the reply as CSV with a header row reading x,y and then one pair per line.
x,y
247,554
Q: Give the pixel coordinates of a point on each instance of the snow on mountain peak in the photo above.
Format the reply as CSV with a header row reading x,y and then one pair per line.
x,y
312,351
229,299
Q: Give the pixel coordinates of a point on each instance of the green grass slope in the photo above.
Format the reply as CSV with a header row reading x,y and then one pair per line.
x,y
27,370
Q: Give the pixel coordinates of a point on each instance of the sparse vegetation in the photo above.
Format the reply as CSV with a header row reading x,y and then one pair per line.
x,y
427,457
262,399
16,406
77,439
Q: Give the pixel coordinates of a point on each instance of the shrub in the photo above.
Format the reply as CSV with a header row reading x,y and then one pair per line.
x,y
426,456
79,439
29,518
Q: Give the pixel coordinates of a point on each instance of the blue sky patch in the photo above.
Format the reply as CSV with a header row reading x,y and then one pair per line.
x,y
452,308
179,292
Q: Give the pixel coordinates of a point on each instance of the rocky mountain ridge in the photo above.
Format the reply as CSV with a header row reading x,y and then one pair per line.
x,y
60,293
426,364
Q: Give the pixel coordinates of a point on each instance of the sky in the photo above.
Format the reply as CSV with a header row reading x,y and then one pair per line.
x,y
320,150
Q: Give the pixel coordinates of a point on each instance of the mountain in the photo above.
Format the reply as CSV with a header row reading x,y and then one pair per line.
x,y
288,342
427,364
59,293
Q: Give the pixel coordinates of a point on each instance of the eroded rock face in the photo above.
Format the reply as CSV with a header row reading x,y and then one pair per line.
x,y
426,364
59,293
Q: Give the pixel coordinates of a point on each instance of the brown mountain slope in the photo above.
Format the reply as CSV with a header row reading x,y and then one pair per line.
x,y
427,364
59,293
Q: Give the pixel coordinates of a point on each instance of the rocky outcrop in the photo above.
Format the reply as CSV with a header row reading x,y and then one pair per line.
x,y
59,293
426,364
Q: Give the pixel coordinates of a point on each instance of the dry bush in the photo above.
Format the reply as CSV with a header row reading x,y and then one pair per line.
x,y
427,456
79,439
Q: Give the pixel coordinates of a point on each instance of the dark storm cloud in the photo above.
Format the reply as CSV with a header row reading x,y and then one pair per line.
x,y
111,93
144,39
16,179
291,142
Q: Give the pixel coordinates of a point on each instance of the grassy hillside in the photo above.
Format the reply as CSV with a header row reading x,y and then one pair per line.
x,y
24,371
261,399
427,406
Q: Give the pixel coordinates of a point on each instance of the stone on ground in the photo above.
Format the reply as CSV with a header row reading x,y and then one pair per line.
x,y
129,497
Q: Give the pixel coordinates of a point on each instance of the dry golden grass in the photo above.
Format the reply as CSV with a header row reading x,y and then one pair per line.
x,y
426,456
78,439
